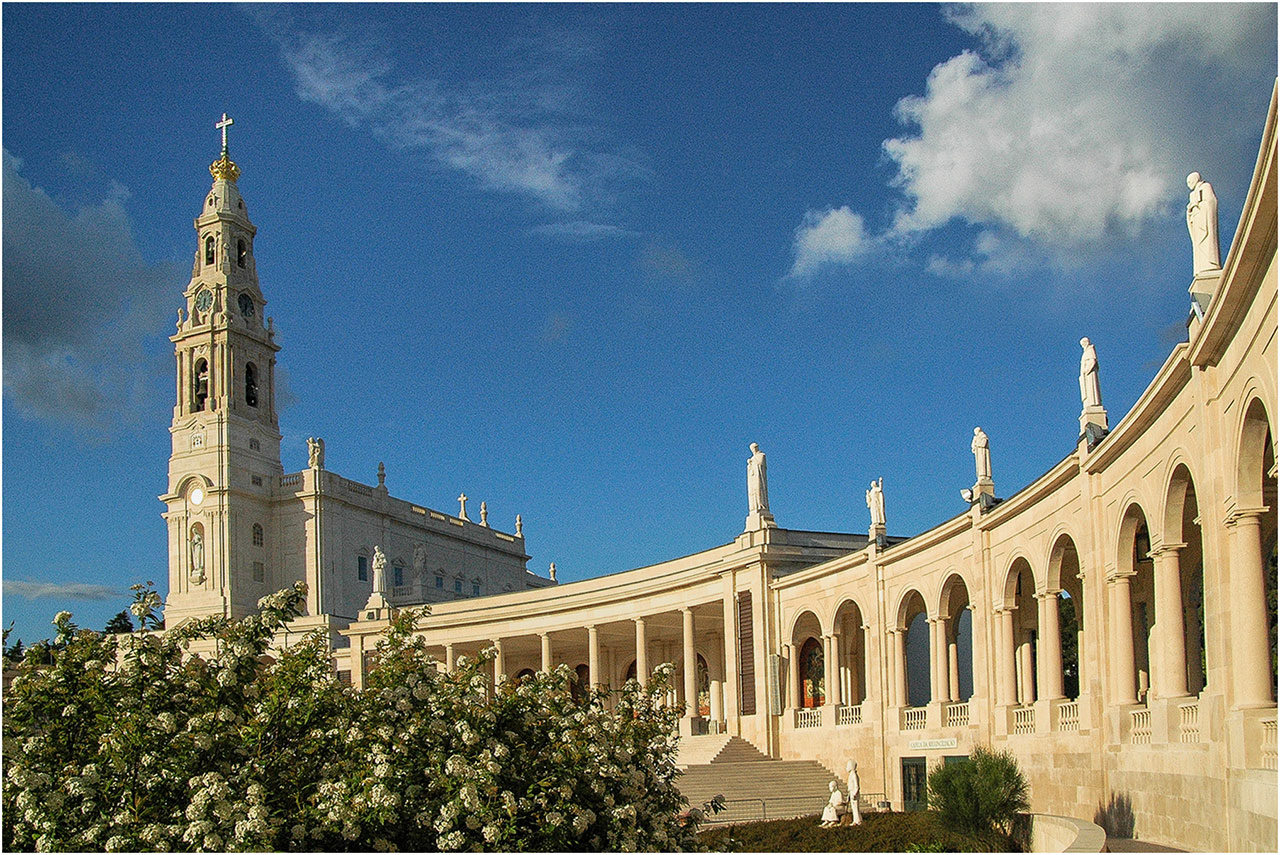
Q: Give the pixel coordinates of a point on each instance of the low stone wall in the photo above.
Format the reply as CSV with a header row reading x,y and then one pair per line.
x,y
1051,833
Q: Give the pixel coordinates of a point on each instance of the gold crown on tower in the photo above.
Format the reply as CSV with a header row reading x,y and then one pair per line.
x,y
224,167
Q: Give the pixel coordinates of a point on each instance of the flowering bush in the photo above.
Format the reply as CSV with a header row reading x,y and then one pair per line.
x,y
131,743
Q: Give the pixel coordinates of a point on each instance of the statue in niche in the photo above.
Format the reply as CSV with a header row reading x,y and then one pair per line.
x,y
855,789
835,806
420,564
1202,222
197,556
379,570
757,482
1090,388
875,503
315,452
981,449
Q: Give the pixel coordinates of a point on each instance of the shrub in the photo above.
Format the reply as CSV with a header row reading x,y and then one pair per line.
x,y
130,743
979,796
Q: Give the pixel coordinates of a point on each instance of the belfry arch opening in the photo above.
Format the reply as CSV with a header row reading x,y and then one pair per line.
x,y
199,385
251,384
208,249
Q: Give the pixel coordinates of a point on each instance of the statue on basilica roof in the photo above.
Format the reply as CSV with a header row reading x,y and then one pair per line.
x,y
1202,223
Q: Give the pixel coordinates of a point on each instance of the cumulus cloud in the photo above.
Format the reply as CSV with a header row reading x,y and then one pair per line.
x,y
61,590
79,303
1071,123
525,135
833,236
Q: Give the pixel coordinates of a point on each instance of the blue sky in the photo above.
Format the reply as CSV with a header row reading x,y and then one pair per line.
x,y
573,259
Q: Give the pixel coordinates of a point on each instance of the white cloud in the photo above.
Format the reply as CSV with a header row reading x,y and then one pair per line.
x,y
516,136
1072,125
583,230
833,236
61,590
79,302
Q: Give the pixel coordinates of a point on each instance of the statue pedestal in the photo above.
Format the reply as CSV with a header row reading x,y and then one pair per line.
x,y
375,608
1093,416
757,520
1203,287
876,534
983,485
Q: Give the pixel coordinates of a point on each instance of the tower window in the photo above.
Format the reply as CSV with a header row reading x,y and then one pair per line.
x,y
200,386
257,535
362,568
251,385
208,250
259,571
475,589
246,305
398,575
457,586
242,252
439,581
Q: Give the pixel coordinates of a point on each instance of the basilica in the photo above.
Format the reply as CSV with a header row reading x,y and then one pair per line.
x,y
1113,623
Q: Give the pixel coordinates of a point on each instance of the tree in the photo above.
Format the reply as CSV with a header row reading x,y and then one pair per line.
x,y
120,623
129,742
981,796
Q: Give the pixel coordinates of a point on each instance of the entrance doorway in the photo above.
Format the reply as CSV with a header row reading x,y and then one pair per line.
x,y
914,789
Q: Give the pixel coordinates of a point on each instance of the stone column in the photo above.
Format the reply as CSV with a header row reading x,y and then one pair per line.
x,y
1028,670
1050,647
1250,648
690,666
1125,680
642,653
837,690
450,660
593,657
855,666
730,618
499,664
1006,675
545,638
1172,673
900,666
787,679
953,663
937,680
717,703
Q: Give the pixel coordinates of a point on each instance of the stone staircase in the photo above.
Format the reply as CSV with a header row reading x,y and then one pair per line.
x,y
754,786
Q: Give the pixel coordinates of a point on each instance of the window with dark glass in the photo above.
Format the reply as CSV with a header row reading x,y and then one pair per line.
x,y
251,385
257,535
362,568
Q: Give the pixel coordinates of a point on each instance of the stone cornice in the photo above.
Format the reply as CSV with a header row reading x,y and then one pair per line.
x,y
1168,382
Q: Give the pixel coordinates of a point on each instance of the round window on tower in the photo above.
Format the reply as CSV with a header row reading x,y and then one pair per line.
x,y
246,305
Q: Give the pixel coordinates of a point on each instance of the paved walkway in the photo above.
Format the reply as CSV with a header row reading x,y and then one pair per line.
x,y
1119,844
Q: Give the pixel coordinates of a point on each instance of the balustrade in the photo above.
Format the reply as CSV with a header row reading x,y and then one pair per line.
x,y
1140,727
1269,744
957,715
848,715
1024,720
1069,716
1189,722
806,718
913,718
291,480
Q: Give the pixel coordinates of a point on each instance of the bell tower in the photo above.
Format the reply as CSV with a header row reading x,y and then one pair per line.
x,y
225,458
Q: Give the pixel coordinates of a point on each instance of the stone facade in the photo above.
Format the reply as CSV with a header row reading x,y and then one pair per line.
x,y
1110,623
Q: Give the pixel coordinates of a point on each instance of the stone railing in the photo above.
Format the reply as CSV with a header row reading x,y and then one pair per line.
x,y
848,715
1069,716
1189,722
956,715
353,487
1140,727
1024,720
1269,744
806,718
294,480
914,718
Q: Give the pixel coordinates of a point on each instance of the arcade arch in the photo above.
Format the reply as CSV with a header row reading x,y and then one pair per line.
x,y
809,670
955,654
916,648
1021,634
1065,593
1179,590
850,644
1252,526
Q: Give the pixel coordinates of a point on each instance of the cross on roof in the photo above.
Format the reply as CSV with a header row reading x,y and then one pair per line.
x,y
222,126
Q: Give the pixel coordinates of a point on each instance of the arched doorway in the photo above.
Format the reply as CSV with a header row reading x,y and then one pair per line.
x,y
812,668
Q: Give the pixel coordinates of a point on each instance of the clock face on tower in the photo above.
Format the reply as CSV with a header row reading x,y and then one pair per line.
x,y
246,305
204,299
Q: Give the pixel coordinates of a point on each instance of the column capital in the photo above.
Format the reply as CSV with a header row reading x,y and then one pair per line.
x,y
1117,576
1047,594
1248,516
1004,608
1166,549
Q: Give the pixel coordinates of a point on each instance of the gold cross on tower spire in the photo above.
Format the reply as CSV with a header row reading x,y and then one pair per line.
x,y
223,167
